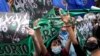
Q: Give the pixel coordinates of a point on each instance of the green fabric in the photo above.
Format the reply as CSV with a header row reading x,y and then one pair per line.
x,y
81,39
45,24
19,49
49,30
51,16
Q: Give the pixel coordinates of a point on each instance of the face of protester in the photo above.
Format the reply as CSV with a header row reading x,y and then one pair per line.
x,y
92,44
92,39
56,46
55,43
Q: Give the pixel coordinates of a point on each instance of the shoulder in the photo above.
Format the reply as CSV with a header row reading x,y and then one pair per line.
x,y
47,54
65,52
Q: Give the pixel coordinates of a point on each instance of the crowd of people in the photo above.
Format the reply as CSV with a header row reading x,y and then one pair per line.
x,y
56,47
70,45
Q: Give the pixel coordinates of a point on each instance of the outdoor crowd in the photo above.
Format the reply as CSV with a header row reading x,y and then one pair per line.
x,y
67,42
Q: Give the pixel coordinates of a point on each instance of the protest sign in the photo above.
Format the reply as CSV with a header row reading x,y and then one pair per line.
x,y
12,26
13,35
36,8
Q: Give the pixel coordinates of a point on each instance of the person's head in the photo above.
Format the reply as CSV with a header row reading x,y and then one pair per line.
x,y
91,43
92,40
56,46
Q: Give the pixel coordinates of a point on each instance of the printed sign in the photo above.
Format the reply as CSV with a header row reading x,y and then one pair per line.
x,y
12,27
13,35
36,8
24,48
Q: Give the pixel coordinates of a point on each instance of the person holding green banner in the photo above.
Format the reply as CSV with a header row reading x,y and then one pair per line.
x,y
91,45
55,46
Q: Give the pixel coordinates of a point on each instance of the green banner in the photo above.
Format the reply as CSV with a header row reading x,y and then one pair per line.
x,y
22,48
46,23
49,29
46,26
21,44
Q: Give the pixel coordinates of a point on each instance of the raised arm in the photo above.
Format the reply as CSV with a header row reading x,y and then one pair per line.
x,y
67,47
40,39
36,42
65,19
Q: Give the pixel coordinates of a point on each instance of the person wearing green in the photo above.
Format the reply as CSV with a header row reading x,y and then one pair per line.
x,y
54,48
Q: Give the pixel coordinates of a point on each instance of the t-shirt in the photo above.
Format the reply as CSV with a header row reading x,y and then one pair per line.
x,y
58,3
80,4
64,53
90,3
4,7
71,4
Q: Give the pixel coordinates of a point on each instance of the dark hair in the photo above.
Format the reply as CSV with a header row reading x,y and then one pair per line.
x,y
49,48
98,32
89,37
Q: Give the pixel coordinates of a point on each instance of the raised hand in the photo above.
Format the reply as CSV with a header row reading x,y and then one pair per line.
x,y
65,18
30,31
36,22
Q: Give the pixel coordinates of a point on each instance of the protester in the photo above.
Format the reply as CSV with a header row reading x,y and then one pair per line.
x,y
55,46
63,43
64,38
91,43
